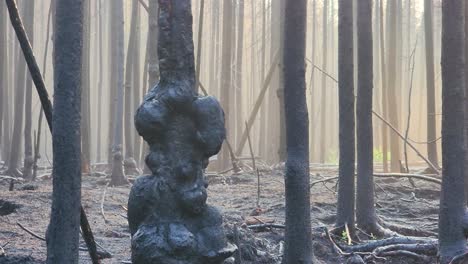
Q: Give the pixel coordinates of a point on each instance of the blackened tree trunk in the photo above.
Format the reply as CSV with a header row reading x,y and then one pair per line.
x,y
466,102
298,241
117,61
64,228
365,209
345,209
430,82
452,240
226,76
28,149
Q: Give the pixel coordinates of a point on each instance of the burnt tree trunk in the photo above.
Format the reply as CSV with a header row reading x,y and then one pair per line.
x,y
64,228
365,209
323,116
452,240
298,241
345,209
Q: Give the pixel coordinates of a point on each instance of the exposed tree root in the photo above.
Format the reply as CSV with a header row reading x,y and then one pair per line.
x,y
407,230
370,246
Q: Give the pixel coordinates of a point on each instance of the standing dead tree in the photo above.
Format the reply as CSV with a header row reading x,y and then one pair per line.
x,y
47,107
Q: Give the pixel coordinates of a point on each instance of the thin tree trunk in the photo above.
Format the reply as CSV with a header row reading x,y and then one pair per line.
x,y
430,82
323,101
199,42
14,161
452,240
28,148
346,193
129,163
365,209
3,79
136,85
298,241
392,71
226,75
63,232
239,67
383,68
85,90
117,61
100,82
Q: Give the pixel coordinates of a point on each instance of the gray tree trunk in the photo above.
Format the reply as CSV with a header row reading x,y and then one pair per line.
x,y
345,207
430,82
117,62
383,68
323,112
130,164
226,75
391,94
28,148
365,209
64,228
298,238
85,89
452,240
18,108
3,78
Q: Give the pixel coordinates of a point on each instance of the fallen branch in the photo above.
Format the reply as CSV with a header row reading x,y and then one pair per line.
x,y
370,246
102,203
30,232
11,178
387,175
264,226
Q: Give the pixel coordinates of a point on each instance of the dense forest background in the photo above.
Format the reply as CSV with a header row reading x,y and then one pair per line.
x,y
240,63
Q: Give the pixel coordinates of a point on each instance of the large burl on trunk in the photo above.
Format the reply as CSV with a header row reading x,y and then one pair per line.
x,y
169,219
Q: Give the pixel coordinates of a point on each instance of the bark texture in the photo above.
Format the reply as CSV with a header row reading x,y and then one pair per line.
x,y
298,242
63,232
346,195
452,200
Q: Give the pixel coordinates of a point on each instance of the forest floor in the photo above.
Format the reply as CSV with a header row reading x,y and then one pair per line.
x,y
397,202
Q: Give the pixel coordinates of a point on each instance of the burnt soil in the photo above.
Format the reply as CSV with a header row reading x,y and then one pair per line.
x,y
397,202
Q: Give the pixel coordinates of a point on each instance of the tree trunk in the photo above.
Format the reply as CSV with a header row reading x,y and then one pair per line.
x,y
117,63
323,116
430,82
64,228
28,148
3,79
365,209
298,241
383,68
136,85
452,241
466,103
226,75
239,63
85,90
345,207
100,79
130,163
392,73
